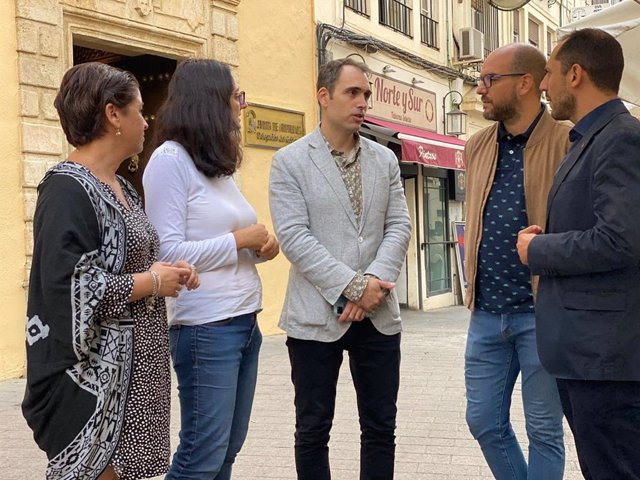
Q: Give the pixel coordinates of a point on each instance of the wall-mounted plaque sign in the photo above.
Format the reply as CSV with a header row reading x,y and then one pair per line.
x,y
271,127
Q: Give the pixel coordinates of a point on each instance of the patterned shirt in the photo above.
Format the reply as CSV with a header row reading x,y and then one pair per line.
x,y
503,282
350,170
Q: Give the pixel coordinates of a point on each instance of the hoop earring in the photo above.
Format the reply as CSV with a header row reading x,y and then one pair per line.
x,y
118,133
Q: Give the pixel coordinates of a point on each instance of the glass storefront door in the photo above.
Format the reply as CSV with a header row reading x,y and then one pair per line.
x,y
436,235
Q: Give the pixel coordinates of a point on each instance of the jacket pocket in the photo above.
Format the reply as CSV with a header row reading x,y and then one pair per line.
x,y
600,300
392,304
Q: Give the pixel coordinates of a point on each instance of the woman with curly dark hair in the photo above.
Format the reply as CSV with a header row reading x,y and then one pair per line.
x,y
98,378
202,216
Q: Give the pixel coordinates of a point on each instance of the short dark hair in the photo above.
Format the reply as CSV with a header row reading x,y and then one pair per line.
x,y
597,52
528,59
197,114
330,71
85,91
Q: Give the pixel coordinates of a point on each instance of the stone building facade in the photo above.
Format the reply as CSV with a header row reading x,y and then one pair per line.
x,y
43,38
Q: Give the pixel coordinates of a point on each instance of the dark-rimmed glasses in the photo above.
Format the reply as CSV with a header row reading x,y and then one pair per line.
x,y
487,80
241,97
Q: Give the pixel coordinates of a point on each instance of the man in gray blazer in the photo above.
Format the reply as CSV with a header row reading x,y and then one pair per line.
x,y
341,217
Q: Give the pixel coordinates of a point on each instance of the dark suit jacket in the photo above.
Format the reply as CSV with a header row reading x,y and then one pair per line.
x,y
588,305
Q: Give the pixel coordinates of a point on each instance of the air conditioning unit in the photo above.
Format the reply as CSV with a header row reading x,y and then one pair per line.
x,y
471,44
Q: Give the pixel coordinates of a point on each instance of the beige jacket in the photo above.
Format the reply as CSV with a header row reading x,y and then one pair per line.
x,y
545,149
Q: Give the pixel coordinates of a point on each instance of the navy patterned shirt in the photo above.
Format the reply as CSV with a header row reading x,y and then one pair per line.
x,y
503,282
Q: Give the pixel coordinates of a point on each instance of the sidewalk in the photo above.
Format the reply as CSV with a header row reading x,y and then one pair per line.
x,y
432,436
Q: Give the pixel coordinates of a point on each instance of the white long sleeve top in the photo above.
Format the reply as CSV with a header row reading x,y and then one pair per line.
x,y
195,216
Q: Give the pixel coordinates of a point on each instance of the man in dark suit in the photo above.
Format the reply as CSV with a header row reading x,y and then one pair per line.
x,y
588,305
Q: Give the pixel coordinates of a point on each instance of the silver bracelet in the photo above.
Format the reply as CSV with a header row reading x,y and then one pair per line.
x,y
157,283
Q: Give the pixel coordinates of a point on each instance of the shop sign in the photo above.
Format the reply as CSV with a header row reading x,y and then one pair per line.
x,y
271,127
402,103
433,155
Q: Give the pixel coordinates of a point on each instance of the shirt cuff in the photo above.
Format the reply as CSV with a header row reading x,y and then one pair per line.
x,y
356,287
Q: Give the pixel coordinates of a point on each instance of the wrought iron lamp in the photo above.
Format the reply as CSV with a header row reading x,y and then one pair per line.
x,y
455,120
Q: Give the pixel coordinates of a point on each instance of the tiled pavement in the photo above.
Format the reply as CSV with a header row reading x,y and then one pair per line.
x,y
433,440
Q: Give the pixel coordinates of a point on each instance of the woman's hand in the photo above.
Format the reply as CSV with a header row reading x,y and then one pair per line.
x,y
193,280
253,237
269,250
171,278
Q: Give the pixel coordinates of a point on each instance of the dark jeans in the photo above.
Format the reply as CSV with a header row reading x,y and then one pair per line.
x,y
605,420
374,360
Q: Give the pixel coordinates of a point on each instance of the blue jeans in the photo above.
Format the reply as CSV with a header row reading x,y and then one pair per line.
x,y
498,348
217,367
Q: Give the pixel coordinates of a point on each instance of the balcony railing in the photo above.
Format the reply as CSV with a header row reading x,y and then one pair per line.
x,y
429,31
358,6
396,15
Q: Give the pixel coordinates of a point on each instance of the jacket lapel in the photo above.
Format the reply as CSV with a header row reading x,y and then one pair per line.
x,y
368,164
575,152
323,160
563,170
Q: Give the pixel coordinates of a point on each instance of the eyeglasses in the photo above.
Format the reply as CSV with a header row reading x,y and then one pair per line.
x,y
487,80
241,97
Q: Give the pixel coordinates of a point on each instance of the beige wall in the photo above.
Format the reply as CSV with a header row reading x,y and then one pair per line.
x,y
277,68
271,44
12,233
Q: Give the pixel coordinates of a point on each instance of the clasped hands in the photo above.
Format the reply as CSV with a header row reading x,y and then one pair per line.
x,y
174,276
524,239
373,296
257,238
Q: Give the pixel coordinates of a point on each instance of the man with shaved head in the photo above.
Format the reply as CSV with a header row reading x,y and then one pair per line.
x,y
510,167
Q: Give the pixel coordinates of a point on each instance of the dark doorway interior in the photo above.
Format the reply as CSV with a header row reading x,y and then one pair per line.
x,y
153,74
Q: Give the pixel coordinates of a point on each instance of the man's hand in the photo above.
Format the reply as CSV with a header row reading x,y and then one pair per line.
x,y
524,239
374,293
352,313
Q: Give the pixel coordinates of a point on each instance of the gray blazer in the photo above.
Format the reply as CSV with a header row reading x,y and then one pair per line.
x,y
318,233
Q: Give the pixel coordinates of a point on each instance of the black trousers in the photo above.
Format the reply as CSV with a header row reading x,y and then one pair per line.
x,y
374,360
605,420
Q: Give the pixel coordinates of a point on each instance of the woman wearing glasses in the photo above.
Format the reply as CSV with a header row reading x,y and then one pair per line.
x,y
201,216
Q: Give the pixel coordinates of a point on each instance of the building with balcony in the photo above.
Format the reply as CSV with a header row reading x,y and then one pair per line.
x,y
425,55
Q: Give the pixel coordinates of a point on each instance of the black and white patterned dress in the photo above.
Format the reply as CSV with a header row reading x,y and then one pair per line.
x,y
98,381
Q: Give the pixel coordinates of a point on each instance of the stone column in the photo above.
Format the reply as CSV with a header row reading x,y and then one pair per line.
x,y
224,31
